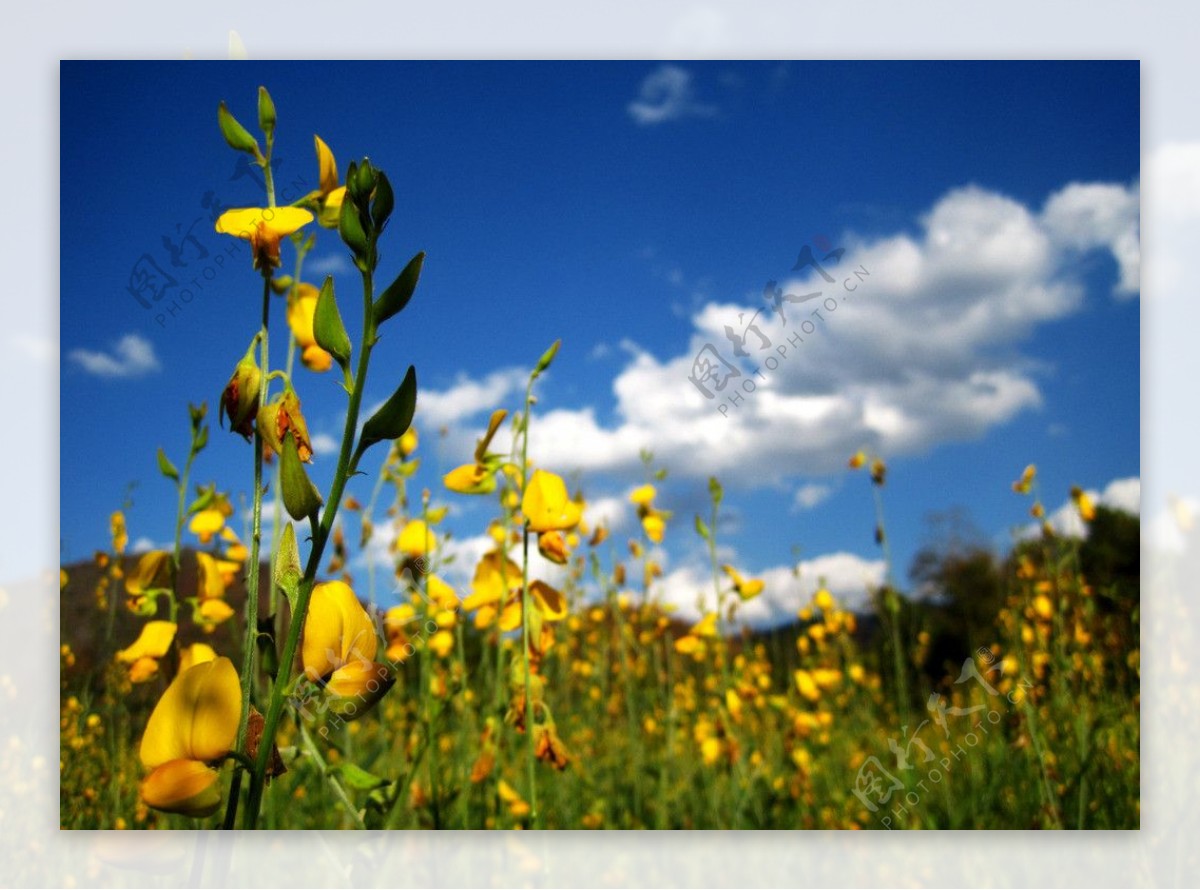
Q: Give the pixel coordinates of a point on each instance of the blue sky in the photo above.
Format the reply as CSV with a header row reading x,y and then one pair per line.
x,y
634,209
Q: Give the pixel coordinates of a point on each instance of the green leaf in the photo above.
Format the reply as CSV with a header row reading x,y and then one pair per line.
x,y
396,297
394,418
358,778
287,572
166,467
328,329
300,496
235,134
701,527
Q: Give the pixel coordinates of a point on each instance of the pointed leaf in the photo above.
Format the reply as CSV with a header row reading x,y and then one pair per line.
x,y
359,779
394,418
328,328
396,297
166,467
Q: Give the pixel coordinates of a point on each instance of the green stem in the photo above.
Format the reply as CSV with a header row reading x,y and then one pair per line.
x,y
320,536
339,791
534,813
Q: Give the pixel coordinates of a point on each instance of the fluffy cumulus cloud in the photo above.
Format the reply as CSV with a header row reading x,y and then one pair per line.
x,y
667,94
926,349
131,356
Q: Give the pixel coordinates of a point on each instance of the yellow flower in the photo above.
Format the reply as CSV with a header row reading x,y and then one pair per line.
x,y
806,685
747,590
212,612
207,523
1083,503
339,646
516,805
264,228
152,643
654,527
282,416
331,194
408,442
479,477
496,578
552,546
415,539
236,551
150,572
706,627
551,603
194,723
858,460
442,643
470,479
642,496
1042,607
441,593
546,505
1025,483
211,585
823,600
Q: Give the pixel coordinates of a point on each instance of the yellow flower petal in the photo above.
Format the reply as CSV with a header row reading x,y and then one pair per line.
x,y
153,642
197,653
150,572
211,585
214,612
197,717
549,601
415,539
327,170
188,787
207,523
642,496
546,505
337,631
654,527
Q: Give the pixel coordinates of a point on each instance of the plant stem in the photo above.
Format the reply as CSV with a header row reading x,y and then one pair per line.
x,y
321,534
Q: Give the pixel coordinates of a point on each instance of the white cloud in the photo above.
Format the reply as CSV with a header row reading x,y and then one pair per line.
x,y
1119,494
1091,215
667,95
808,496
926,350
325,445
333,264
132,356
467,398
143,545
848,577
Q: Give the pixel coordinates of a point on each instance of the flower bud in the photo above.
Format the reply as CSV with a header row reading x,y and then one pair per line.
x,y
281,416
239,402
